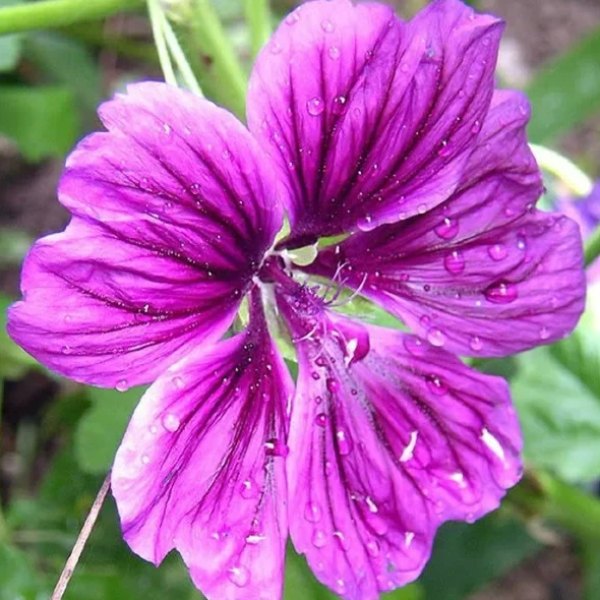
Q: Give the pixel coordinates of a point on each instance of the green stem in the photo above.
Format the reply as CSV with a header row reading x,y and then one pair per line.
x,y
541,494
592,247
58,13
216,65
161,45
258,17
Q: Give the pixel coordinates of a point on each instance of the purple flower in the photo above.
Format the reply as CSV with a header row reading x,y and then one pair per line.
x,y
390,136
586,213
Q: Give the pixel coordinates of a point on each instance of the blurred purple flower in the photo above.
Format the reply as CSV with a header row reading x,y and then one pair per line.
x,y
586,213
391,134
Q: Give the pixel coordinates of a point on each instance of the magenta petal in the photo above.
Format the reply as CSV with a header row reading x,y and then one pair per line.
x,y
201,468
173,212
385,451
482,274
384,124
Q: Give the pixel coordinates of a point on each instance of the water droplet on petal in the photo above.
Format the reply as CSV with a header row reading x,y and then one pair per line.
x,y
145,459
521,243
341,540
339,105
327,26
415,346
409,536
312,512
476,127
66,350
344,443
475,343
544,333
292,18
171,422
249,489
239,576
447,229
373,548
122,385
436,385
319,539
321,419
315,106
444,149
436,337
275,447
275,48
498,252
454,262
334,52
502,292
178,382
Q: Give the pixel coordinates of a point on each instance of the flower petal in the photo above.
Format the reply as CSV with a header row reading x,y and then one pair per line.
x,y
201,468
173,212
482,274
383,125
385,450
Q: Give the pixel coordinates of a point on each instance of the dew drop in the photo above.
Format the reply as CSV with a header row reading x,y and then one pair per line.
x,y
122,385
321,419
436,337
447,229
341,540
476,344
415,346
319,539
171,422
436,385
312,512
249,489
145,459
315,376
292,18
315,106
476,127
327,26
521,243
502,292
544,333
66,350
339,105
332,385
444,149
334,52
409,536
239,576
343,442
275,447
454,262
178,382
498,252
275,48
377,524
373,548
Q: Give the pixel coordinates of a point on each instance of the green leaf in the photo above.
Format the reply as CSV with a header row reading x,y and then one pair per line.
x,y
101,428
18,580
10,46
14,361
557,393
41,120
65,61
466,557
566,91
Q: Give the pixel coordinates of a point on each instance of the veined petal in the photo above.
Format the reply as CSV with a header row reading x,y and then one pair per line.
x,y
483,274
383,450
384,125
201,468
173,212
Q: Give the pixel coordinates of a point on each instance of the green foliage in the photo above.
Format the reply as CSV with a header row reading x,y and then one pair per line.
x,y
13,361
101,428
557,392
10,45
566,91
42,120
466,557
